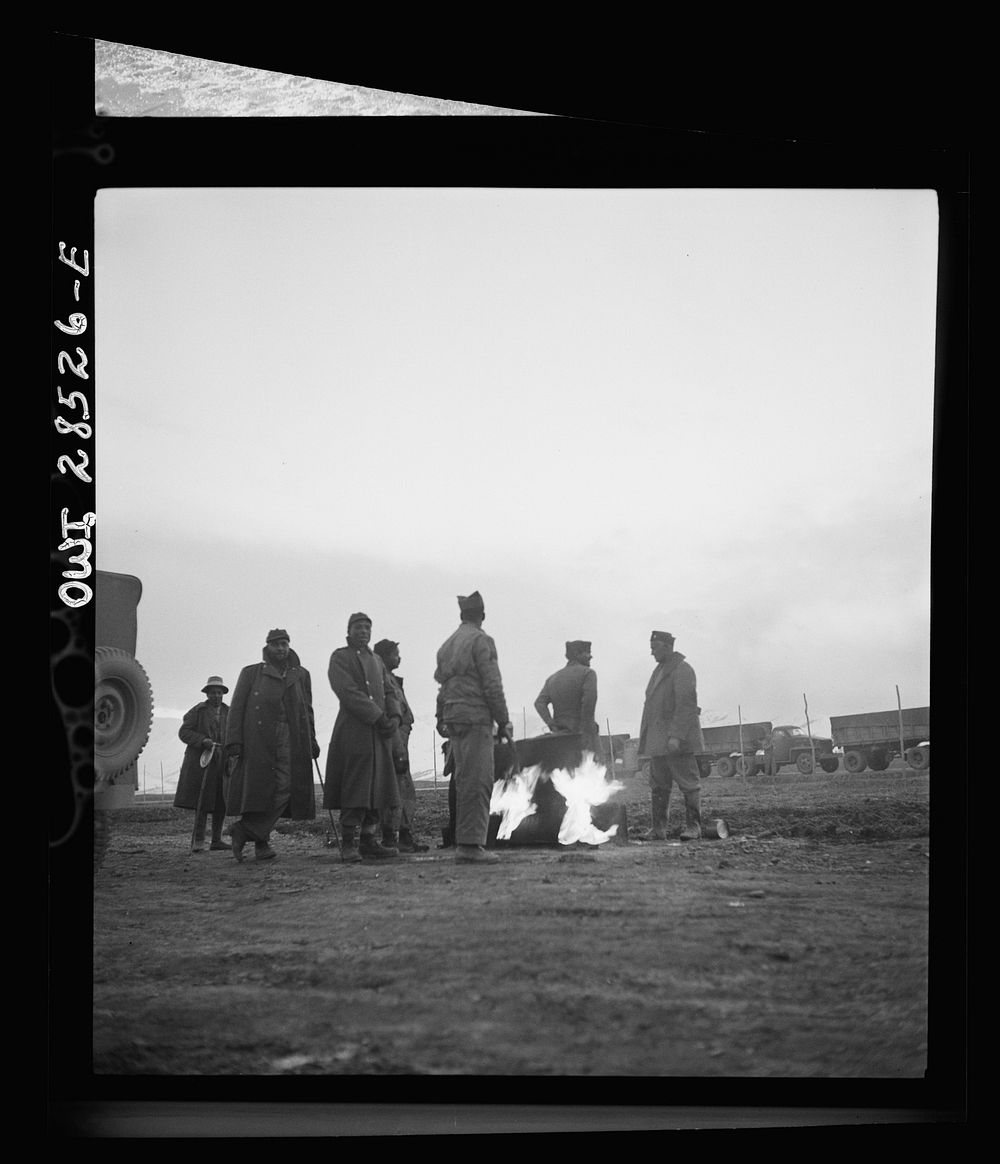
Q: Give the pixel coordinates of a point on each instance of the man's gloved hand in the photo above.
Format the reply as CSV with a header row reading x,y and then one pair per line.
x,y
400,762
206,743
505,731
386,726
316,750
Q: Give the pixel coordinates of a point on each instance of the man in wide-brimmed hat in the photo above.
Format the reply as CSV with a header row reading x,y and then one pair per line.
x,y
571,693
470,700
360,773
200,784
670,737
271,735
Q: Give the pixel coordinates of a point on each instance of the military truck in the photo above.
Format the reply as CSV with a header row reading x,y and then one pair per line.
x,y
764,748
123,702
875,738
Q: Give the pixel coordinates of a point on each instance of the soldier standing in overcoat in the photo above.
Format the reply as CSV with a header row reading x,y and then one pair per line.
x,y
397,823
270,745
201,788
670,737
360,774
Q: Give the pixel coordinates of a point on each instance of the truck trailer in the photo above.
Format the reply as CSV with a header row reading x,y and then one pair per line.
x,y
875,738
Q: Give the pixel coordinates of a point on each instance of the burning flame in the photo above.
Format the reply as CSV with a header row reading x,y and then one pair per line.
x,y
513,799
582,789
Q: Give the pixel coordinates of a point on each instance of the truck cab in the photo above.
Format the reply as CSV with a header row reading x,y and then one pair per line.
x,y
788,744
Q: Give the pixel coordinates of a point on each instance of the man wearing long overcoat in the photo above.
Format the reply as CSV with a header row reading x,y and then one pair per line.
x,y
470,700
360,774
397,824
270,745
571,693
670,737
200,784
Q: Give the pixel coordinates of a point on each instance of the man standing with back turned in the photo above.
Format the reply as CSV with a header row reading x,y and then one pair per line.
x,y
469,701
670,737
572,694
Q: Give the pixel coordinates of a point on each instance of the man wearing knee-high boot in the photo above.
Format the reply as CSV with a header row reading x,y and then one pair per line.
x,y
270,745
670,737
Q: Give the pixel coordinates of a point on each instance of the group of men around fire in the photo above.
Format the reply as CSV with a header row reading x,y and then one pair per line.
x,y
254,758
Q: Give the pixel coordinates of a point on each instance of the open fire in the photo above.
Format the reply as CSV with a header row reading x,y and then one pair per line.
x,y
561,800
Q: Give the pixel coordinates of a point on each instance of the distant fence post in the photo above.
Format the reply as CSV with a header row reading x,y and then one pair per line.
x,y
812,742
743,767
902,741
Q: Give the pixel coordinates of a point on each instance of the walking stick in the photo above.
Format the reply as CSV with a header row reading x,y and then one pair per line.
x,y
329,810
204,759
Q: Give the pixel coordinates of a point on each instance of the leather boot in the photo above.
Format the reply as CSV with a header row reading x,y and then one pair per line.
x,y
263,851
390,841
217,842
660,807
409,844
352,852
692,817
240,838
475,855
370,846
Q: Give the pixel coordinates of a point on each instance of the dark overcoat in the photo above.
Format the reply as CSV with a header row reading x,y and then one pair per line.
x,y
260,694
671,709
359,768
196,728
401,744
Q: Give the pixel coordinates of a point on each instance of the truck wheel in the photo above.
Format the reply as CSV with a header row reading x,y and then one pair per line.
x,y
746,766
123,710
920,758
724,766
804,763
830,765
855,761
878,761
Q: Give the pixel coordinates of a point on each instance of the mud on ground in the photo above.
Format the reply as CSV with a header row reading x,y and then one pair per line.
x,y
795,948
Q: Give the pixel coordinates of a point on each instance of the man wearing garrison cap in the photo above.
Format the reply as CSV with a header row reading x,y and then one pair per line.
x,y
470,700
360,773
670,737
271,736
572,695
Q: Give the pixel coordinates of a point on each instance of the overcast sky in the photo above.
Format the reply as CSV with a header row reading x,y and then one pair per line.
x,y
611,411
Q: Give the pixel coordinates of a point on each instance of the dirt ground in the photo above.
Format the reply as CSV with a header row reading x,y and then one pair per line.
x,y
797,947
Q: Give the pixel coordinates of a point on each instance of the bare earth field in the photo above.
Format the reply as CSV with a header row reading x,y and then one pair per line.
x,y
796,948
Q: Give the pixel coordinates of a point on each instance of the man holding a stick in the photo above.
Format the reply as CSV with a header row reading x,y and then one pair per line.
x,y
200,784
670,737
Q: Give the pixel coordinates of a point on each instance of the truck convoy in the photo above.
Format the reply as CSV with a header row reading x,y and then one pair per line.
x,y
123,702
873,740
870,740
